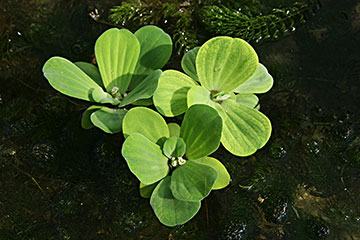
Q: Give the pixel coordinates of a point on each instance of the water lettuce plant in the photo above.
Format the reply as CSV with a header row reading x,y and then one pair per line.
x,y
172,162
128,72
223,73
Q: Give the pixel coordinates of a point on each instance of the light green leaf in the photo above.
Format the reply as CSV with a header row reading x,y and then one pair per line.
x,y
117,52
188,63
247,99
155,51
245,129
100,96
85,119
69,79
92,71
174,147
146,122
170,97
144,90
223,63
174,129
145,159
192,181
108,119
169,210
146,190
260,82
223,179
200,95
201,131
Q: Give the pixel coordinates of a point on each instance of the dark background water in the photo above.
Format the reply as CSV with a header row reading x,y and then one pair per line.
x,y
59,181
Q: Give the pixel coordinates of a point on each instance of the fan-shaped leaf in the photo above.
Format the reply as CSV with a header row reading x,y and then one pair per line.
x,y
170,96
155,51
223,63
145,159
245,129
201,131
69,79
117,52
146,122
192,181
260,82
169,210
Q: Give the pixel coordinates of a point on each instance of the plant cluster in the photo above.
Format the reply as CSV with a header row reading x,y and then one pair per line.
x,y
217,95
172,162
128,71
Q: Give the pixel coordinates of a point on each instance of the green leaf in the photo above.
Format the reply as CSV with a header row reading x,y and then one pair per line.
x,y
192,181
223,63
200,95
169,210
146,122
201,131
174,147
188,63
155,51
174,129
223,179
92,71
108,119
100,96
85,119
146,190
144,90
69,79
260,82
245,129
170,97
247,99
145,159
143,102
117,52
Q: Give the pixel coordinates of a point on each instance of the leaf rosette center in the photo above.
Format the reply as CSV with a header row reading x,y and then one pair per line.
x,y
172,162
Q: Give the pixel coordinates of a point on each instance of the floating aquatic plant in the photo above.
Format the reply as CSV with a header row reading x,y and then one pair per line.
x,y
218,100
128,71
172,162
223,73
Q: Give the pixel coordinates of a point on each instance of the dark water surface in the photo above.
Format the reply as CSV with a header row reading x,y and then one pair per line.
x,y
59,181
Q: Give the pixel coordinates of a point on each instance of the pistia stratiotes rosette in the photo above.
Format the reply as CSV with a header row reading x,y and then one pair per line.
x,y
172,162
225,74
129,70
